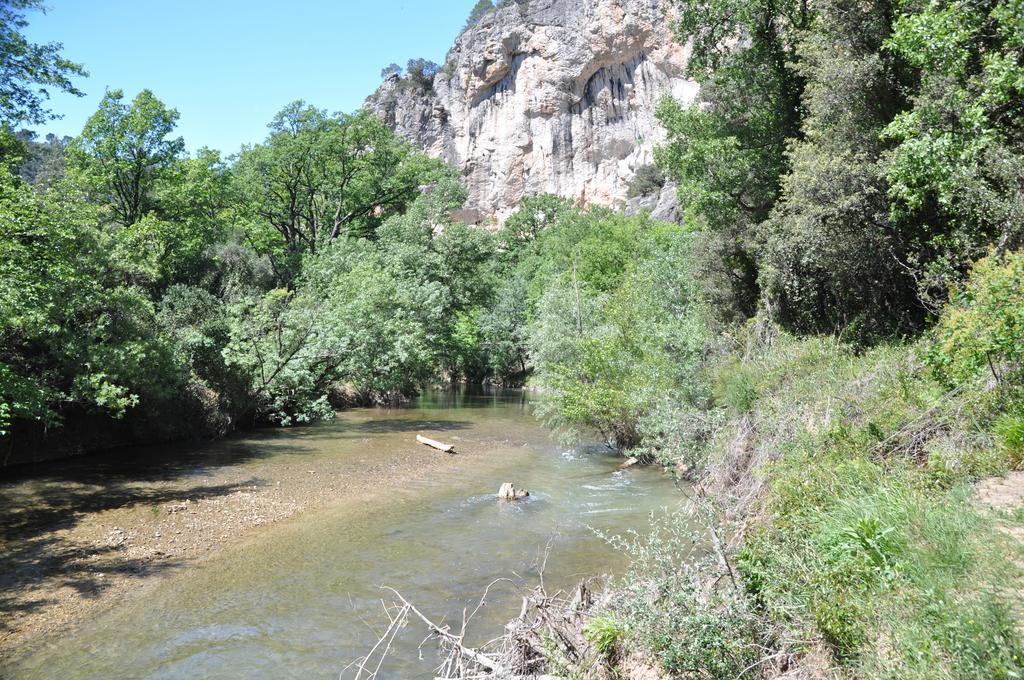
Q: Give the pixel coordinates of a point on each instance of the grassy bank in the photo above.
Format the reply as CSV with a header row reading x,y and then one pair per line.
x,y
841,484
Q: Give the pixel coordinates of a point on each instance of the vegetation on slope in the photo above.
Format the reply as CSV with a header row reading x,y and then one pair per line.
x,y
830,347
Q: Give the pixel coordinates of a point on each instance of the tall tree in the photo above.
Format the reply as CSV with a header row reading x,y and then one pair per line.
x,y
957,172
728,152
124,150
320,176
28,70
832,259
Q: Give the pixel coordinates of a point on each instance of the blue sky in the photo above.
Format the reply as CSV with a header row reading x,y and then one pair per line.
x,y
229,65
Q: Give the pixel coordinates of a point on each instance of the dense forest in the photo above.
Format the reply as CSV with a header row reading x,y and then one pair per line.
x,y
830,344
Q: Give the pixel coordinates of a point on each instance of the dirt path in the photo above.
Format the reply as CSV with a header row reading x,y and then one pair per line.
x,y
87,533
1004,498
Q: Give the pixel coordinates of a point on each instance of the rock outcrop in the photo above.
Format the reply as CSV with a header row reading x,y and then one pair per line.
x,y
552,96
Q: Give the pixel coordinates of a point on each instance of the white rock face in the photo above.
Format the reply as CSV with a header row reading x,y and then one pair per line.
x,y
557,97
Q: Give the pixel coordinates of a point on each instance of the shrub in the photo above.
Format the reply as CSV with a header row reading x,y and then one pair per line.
x,y
983,326
649,179
680,606
604,633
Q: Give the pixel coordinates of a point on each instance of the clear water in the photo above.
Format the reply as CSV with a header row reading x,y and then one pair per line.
x,y
302,599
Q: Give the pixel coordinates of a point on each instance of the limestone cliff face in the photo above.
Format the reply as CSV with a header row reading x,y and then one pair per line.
x,y
550,96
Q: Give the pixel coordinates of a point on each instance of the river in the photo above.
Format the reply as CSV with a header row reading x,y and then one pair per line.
x,y
302,599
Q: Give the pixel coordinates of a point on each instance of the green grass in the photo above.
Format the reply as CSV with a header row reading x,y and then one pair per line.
x,y
863,546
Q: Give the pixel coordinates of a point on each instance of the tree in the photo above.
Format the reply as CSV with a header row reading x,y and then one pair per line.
x,y
832,259
728,151
956,175
44,162
73,339
318,177
524,226
124,150
391,69
422,72
27,70
481,9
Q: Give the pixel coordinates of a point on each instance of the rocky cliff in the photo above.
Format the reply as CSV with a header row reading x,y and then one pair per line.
x,y
543,96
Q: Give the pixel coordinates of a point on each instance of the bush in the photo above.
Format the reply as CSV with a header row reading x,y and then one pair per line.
x,y
604,633
649,179
983,326
679,605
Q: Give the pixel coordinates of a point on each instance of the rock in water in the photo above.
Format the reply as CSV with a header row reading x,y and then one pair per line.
x,y
554,96
508,492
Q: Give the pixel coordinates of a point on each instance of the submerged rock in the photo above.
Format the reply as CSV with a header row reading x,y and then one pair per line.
x,y
508,492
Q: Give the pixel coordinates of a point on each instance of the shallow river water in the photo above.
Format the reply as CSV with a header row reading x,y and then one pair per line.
x,y
301,599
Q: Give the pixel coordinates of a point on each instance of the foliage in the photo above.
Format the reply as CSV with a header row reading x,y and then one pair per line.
x,y
957,165
833,261
75,339
649,179
524,226
28,70
44,162
747,109
124,151
670,613
319,177
421,72
983,327
481,9
847,161
619,323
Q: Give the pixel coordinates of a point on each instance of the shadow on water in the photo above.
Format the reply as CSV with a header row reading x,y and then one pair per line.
x,y
384,426
38,500
36,552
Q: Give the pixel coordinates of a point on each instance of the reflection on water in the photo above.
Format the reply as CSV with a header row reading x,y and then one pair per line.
x,y
302,599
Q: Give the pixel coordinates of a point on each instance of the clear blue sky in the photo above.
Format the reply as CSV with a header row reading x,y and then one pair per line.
x,y
229,65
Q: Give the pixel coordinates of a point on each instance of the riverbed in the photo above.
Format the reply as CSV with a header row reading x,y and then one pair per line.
x,y
267,552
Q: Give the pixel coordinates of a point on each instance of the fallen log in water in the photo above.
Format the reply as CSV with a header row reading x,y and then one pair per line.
x,y
628,463
447,448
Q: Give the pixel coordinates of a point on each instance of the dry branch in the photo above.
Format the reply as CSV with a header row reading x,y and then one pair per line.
x,y
447,448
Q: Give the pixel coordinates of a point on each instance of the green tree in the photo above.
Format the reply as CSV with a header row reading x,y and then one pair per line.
x,y
125,150
832,259
481,9
607,349
44,162
76,341
957,172
318,177
421,72
524,226
28,70
727,151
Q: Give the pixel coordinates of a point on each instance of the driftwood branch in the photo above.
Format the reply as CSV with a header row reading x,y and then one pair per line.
x,y
447,448
548,623
455,641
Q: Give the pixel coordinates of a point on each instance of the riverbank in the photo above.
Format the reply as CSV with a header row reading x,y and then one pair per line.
x,y
871,523
83,535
